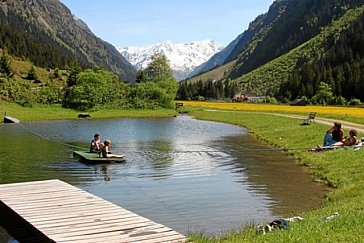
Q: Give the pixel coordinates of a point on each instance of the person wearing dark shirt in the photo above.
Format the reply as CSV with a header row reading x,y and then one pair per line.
x,y
95,144
333,134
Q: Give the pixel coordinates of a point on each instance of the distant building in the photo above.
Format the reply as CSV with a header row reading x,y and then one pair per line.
x,y
299,102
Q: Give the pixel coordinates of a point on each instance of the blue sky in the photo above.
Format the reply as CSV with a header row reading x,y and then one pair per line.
x,y
144,22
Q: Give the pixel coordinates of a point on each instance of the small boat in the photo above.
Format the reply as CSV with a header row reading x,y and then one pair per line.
x,y
8,119
88,157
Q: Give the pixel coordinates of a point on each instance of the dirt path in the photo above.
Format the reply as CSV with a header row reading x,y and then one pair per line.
x,y
326,121
330,122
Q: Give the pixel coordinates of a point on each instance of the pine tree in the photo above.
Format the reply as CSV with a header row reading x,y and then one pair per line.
x,y
5,64
32,74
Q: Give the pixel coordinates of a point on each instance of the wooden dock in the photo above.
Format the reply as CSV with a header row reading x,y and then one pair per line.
x,y
55,211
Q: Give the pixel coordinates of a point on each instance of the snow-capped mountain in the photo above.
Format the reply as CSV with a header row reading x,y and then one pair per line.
x,y
183,58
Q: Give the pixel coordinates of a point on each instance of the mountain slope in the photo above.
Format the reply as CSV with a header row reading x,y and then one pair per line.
x,y
302,20
183,58
50,27
334,56
247,41
287,24
270,78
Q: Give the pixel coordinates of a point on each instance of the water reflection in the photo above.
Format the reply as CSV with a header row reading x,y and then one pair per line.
x,y
193,176
104,171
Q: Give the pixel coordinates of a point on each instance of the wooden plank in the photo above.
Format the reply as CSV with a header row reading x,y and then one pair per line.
x,y
100,230
56,196
64,213
94,217
135,221
55,205
72,216
125,225
30,184
169,236
101,209
58,200
144,233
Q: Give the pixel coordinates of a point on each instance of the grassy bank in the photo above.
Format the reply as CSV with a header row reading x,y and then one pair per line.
x,y
342,170
56,112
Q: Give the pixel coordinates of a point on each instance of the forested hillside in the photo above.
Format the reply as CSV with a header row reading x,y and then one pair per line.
x,y
341,66
303,20
26,40
46,32
334,58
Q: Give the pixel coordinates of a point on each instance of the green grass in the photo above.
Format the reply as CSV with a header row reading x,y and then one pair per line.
x,y
342,170
56,112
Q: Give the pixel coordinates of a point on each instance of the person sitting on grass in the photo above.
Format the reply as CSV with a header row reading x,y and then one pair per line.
x,y
349,141
333,134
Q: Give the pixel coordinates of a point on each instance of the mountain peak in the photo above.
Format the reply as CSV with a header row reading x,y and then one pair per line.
x,y
183,58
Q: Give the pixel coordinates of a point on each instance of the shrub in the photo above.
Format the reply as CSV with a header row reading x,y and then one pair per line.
x,y
49,94
354,102
339,101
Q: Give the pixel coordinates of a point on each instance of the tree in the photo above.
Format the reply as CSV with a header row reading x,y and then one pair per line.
x,y
141,77
324,94
72,77
92,88
5,64
32,74
160,73
183,93
159,69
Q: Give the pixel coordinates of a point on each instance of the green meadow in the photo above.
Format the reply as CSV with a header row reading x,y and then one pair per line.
x,y
342,170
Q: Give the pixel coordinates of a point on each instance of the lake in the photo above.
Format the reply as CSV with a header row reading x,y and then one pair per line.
x,y
190,175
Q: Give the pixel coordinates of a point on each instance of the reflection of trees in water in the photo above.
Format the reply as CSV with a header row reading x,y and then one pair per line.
x,y
163,158
274,173
26,157
105,170
160,158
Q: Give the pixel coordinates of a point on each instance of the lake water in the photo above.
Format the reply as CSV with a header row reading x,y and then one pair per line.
x,y
193,176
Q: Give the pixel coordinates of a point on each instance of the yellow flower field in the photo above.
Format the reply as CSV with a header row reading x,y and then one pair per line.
x,y
322,110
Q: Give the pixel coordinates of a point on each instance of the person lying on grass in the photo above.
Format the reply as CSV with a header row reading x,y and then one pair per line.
x,y
349,141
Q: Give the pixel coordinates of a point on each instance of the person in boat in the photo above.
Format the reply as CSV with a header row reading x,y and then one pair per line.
x,y
95,145
105,151
333,135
